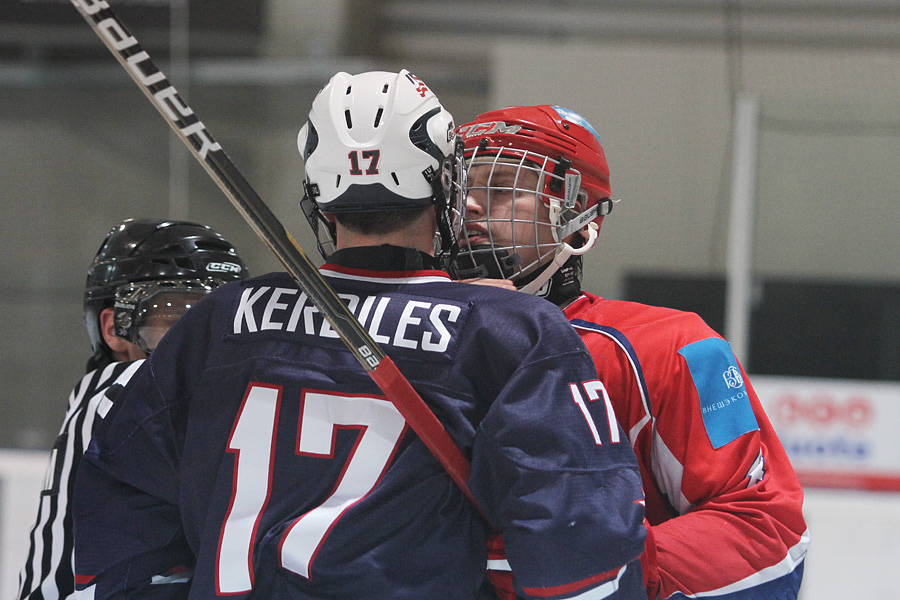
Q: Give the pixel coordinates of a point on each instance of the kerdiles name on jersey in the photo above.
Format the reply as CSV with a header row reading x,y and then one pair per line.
x,y
405,322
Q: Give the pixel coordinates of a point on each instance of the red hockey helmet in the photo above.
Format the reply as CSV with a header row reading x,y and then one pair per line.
x,y
548,131
563,149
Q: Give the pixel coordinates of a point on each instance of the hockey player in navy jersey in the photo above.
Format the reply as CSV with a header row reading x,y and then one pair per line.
x,y
145,275
723,502
253,457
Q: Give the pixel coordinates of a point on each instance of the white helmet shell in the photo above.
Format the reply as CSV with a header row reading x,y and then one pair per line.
x,y
375,141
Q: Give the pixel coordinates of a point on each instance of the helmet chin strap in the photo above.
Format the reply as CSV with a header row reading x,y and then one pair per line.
x,y
566,251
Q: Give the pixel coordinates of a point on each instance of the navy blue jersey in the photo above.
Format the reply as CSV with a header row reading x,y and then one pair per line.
x,y
252,456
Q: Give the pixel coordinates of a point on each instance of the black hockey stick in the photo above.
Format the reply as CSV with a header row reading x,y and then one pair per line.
x,y
205,149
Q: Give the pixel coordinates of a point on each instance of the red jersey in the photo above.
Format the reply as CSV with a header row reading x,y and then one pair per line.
x,y
707,452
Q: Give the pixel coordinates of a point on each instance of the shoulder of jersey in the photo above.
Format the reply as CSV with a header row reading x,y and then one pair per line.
x,y
624,314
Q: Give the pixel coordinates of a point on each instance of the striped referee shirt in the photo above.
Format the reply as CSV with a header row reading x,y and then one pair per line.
x,y
48,573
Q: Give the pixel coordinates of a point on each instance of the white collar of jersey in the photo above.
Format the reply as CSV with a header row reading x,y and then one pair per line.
x,y
384,276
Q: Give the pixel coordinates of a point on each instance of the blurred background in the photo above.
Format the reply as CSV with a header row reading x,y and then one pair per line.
x,y
754,144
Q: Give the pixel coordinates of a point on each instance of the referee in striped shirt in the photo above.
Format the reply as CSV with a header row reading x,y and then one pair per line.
x,y
146,274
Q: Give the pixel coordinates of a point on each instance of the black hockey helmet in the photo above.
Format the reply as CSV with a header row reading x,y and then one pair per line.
x,y
172,254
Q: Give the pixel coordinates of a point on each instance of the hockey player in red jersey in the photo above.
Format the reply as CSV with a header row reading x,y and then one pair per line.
x,y
723,504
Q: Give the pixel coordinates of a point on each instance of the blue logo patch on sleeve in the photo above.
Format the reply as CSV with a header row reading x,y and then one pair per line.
x,y
724,404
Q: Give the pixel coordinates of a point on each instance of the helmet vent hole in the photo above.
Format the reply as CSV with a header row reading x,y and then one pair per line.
x,y
385,89
378,116
212,245
349,87
394,177
348,119
337,181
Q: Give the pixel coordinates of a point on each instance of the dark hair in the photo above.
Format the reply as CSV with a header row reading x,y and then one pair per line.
x,y
382,221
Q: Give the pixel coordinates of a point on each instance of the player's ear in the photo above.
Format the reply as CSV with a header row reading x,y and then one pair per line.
x,y
119,346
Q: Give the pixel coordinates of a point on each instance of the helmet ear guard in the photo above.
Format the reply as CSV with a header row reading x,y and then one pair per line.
x,y
323,229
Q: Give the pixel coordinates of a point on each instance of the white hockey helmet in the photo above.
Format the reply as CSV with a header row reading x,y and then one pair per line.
x,y
380,141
